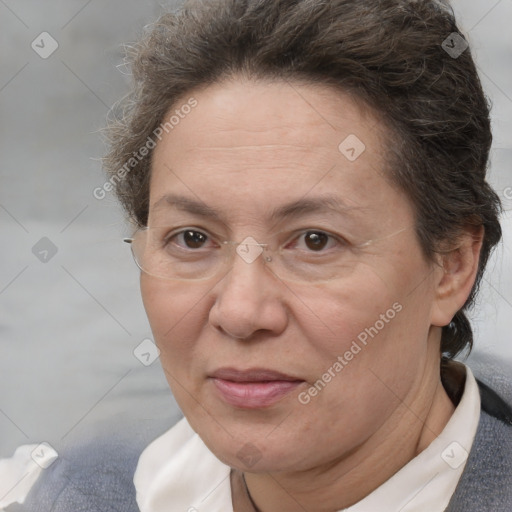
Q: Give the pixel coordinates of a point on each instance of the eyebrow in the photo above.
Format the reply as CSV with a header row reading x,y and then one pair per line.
x,y
298,208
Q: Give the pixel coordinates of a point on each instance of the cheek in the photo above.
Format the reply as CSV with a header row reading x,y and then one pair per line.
x,y
374,324
170,309
176,319
368,305
367,343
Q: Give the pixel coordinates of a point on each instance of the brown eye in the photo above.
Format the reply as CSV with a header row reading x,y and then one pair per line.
x,y
194,239
316,240
189,239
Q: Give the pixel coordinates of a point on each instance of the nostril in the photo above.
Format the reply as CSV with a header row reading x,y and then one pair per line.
x,y
233,335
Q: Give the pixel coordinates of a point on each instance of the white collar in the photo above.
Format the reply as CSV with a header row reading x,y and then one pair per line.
x,y
178,469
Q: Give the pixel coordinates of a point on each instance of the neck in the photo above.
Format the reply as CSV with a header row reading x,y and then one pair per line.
x,y
418,420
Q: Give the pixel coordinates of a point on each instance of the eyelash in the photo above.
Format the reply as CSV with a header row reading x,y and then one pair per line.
x,y
342,242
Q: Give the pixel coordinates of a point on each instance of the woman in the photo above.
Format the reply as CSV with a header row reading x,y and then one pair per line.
x,y
308,184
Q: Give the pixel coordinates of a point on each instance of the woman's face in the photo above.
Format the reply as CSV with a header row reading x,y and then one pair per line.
x,y
345,352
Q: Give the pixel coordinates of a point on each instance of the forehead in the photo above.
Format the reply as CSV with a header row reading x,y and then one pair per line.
x,y
242,114
259,143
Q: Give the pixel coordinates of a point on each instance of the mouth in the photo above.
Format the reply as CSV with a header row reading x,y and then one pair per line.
x,y
253,389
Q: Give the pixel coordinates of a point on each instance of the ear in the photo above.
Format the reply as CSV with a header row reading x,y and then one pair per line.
x,y
456,276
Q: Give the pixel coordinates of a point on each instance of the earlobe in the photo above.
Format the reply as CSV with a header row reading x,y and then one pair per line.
x,y
457,273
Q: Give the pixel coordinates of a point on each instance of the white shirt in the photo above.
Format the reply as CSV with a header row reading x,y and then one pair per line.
x,y
178,469
19,473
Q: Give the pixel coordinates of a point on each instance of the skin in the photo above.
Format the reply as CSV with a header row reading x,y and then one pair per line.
x,y
246,148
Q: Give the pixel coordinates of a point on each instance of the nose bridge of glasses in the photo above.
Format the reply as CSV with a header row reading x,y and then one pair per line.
x,y
253,254
249,250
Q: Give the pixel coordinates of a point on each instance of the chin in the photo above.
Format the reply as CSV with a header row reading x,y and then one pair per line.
x,y
252,449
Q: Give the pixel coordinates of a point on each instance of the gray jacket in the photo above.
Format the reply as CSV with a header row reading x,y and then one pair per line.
x,y
98,477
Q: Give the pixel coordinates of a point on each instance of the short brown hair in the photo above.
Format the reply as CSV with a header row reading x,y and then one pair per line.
x,y
386,53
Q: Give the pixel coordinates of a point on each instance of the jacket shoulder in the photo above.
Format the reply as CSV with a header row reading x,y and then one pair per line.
x,y
94,477
486,483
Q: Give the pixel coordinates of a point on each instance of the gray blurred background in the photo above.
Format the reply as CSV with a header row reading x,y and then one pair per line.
x,y
70,310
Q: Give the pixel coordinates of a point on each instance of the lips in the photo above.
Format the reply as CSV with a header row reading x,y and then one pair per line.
x,y
254,388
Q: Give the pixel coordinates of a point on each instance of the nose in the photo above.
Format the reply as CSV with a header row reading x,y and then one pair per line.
x,y
249,299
